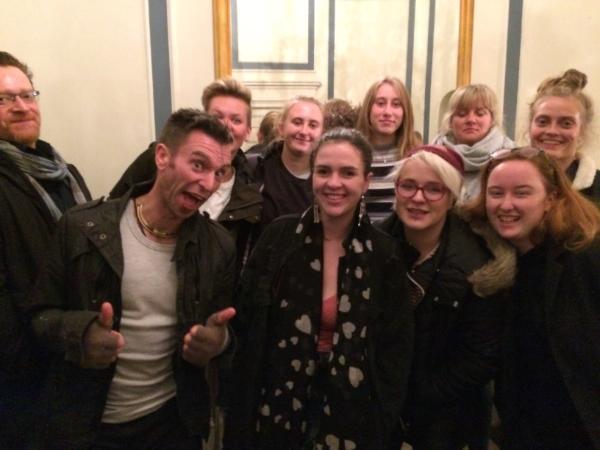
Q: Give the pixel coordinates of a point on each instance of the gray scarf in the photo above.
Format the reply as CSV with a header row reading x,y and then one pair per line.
x,y
475,157
39,168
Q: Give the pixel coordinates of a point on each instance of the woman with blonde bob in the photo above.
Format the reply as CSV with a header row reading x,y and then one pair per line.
x,y
386,119
457,279
548,391
471,127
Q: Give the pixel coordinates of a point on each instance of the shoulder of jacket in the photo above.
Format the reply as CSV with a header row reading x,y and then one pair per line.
x,y
218,231
499,272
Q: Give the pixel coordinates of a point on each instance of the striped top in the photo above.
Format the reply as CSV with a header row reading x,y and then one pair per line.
x,y
381,194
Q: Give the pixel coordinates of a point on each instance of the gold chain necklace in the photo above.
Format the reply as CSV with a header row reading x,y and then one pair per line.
x,y
149,228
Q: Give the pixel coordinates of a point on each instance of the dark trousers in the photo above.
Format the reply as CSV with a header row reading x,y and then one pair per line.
x,y
162,429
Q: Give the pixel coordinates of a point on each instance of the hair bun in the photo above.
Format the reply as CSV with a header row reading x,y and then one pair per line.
x,y
572,79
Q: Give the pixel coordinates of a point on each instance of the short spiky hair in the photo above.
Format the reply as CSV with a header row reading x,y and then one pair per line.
x,y
7,60
183,121
228,87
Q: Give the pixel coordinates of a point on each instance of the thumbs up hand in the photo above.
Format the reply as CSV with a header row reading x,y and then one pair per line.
x,y
101,344
203,342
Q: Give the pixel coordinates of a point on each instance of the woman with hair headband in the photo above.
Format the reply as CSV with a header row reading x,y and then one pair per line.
x,y
325,328
457,281
471,127
560,118
548,391
386,119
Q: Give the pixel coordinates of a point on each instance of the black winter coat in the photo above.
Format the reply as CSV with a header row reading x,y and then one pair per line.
x,y
84,269
389,345
571,314
26,227
457,332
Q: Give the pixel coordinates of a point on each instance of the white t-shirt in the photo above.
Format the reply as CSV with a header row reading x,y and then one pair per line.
x,y
143,380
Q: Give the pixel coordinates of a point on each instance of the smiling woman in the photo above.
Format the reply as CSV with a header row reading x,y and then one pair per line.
x,y
449,269
386,119
560,117
552,325
324,324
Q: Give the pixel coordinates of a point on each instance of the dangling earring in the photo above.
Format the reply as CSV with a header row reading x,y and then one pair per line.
x,y
362,209
316,213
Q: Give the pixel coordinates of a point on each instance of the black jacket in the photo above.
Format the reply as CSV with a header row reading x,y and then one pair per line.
x,y
26,227
241,216
458,332
571,313
83,270
389,345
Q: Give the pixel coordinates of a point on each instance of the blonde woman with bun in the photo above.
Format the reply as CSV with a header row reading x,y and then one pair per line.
x,y
560,118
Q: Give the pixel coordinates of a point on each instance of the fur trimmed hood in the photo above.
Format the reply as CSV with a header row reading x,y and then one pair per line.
x,y
586,172
499,273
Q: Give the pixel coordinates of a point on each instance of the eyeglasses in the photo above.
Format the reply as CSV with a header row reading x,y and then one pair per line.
x,y
431,191
526,152
27,97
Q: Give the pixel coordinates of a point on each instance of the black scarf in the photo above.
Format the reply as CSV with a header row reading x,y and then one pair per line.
x,y
291,371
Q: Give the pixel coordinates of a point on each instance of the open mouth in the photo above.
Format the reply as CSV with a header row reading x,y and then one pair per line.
x,y
192,201
417,212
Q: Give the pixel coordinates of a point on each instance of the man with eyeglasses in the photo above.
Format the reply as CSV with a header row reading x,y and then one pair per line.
x,y
36,188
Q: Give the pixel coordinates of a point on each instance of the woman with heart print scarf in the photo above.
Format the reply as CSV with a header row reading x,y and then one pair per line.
x,y
324,324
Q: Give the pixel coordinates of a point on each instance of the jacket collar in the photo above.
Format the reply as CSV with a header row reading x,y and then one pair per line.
x,y
586,171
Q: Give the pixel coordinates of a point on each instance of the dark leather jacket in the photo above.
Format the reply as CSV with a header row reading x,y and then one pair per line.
x,y
84,269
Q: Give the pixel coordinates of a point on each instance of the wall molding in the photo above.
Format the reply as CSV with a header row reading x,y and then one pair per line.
x,y
273,65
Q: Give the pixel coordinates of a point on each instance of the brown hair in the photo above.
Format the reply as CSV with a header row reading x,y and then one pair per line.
x,y
351,136
8,60
267,131
183,121
339,113
228,87
569,84
405,135
572,220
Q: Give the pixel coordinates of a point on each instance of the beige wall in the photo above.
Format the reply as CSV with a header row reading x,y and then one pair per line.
x,y
554,38
191,50
91,61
